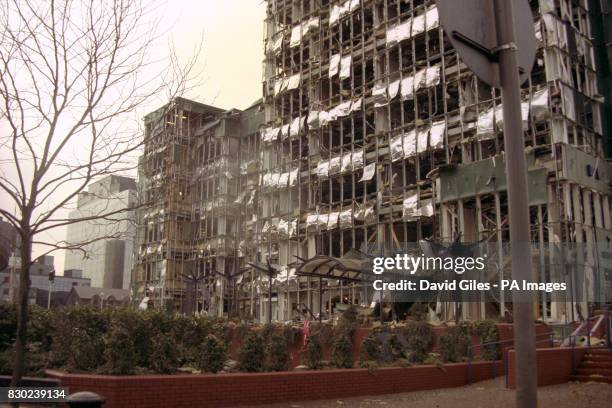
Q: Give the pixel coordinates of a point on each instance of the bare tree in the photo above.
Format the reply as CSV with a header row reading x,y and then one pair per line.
x,y
71,73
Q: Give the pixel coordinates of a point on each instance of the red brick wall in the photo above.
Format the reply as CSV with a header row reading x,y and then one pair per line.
x,y
223,390
554,365
506,334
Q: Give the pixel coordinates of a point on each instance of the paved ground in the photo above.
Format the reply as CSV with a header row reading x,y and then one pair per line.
x,y
484,394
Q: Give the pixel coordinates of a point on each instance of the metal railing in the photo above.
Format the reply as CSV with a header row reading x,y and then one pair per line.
x,y
588,329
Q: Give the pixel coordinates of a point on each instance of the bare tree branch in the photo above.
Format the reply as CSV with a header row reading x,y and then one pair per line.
x,y
72,75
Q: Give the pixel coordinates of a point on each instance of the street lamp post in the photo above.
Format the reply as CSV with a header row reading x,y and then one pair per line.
x,y
51,280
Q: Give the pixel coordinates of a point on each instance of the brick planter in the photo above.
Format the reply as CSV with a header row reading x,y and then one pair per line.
x,y
224,390
554,365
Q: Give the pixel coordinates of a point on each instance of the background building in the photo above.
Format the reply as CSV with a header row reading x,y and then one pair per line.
x,y
10,259
8,242
600,12
372,131
39,278
194,172
108,247
97,297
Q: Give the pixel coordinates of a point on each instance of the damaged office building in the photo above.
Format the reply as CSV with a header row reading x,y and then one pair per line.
x,y
371,130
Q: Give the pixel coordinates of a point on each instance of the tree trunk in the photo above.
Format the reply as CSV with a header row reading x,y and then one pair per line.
x,y
22,307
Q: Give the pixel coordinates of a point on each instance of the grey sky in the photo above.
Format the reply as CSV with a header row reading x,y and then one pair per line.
x,y
233,47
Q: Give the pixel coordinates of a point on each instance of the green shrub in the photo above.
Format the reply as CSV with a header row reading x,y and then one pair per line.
x,y
6,361
60,352
351,314
419,339
455,344
8,325
34,364
418,311
163,358
86,351
78,342
348,323
395,346
190,332
277,355
371,348
160,321
78,338
40,327
487,332
292,334
433,359
342,352
251,355
40,337
312,354
266,332
212,354
137,325
242,330
370,365
229,331
120,351
324,332
181,329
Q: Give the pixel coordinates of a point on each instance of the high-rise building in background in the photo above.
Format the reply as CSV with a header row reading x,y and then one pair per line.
x,y
107,244
371,131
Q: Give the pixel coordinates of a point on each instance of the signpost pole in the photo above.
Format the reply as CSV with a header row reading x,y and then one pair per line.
x,y
518,206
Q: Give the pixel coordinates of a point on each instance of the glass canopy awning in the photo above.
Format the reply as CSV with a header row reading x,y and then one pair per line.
x,y
353,266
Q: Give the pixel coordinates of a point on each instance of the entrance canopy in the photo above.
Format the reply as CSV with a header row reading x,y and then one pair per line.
x,y
353,266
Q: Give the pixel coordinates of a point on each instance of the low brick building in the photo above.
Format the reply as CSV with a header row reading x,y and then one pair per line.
x,y
100,297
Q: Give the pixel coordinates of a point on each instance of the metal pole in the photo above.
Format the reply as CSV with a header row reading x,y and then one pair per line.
x,y
49,295
252,288
469,367
51,281
320,299
230,298
195,296
270,297
518,206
